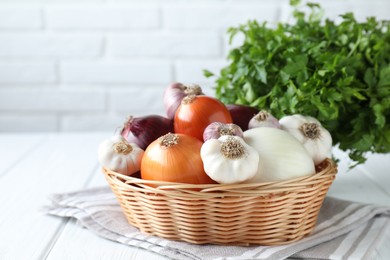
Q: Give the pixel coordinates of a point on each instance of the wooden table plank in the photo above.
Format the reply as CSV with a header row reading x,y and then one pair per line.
x,y
60,164
94,247
377,168
368,183
68,246
15,147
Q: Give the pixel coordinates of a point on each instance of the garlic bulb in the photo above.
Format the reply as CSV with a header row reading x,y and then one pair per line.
x,y
309,131
217,129
174,94
263,119
229,159
118,155
282,156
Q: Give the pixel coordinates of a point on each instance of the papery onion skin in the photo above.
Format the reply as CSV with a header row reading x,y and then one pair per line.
x,y
146,129
179,163
216,129
174,94
283,157
196,112
241,114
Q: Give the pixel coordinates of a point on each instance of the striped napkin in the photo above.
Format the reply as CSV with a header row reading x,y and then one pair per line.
x,y
344,230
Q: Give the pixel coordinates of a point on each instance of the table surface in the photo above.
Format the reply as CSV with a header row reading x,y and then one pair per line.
x,y
32,166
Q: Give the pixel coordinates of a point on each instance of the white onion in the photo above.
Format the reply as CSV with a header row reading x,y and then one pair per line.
x,y
282,156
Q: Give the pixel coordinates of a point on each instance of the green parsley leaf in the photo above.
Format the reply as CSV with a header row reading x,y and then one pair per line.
x,y
338,73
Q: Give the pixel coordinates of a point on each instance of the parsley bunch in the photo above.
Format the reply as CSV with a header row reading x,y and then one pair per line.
x,y
337,73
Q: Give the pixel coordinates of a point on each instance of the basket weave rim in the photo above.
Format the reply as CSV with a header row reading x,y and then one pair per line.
x,y
330,168
271,213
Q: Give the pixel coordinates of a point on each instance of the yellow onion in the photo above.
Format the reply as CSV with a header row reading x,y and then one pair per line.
x,y
174,158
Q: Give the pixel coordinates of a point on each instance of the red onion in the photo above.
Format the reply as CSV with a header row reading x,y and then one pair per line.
x,y
264,119
144,130
174,93
242,114
216,129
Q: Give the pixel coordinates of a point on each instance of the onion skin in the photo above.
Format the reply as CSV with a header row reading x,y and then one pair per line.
x,y
242,114
282,156
196,112
174,94
179,162
144,130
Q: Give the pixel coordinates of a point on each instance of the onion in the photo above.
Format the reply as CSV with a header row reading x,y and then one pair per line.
x,y
195,113
263,119
174,158
216,129
174,94
144,130
242,114
282,156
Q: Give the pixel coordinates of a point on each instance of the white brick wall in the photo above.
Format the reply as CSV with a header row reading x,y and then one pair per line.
x,y
42,100
86,65
20,17
139,71
50,45
187,44
20,71
103,17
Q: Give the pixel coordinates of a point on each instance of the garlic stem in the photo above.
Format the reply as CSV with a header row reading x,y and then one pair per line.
x,y
226,130
128,122
232,149
263,119
193,90
262,115
310,130
169,140
188,99
123,147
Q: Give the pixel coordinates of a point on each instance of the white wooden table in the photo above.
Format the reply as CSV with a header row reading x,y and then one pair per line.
x,y
32,166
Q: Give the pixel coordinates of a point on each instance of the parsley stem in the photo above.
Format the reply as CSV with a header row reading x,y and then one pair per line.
x,y
356,44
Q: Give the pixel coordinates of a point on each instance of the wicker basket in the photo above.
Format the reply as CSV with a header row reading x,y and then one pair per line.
x,y
272,213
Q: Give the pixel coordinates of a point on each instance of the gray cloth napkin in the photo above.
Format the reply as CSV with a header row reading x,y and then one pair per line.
x,y
344,230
